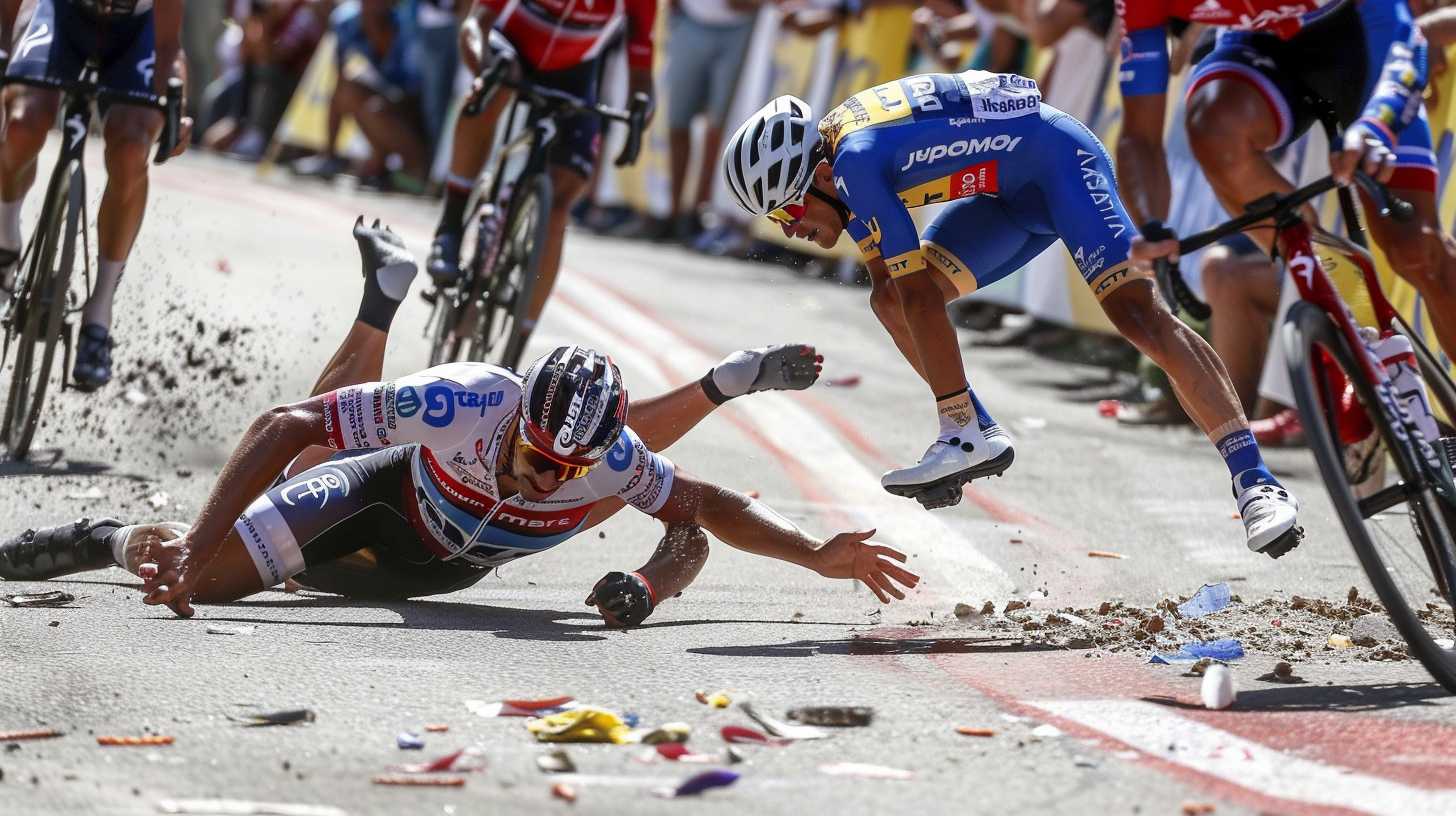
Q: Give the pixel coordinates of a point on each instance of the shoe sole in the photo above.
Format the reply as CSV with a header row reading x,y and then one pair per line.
x,y
946,491
1283,544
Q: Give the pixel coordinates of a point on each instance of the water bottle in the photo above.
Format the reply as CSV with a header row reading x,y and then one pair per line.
x,y
1395,353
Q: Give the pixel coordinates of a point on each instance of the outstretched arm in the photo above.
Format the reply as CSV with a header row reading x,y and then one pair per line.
x,y
752,526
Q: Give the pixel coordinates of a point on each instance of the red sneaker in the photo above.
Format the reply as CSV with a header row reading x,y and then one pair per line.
x,y
1282,430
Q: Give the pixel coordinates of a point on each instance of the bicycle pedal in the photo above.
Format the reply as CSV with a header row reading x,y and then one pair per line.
x,y
939,498
1284,543
429,295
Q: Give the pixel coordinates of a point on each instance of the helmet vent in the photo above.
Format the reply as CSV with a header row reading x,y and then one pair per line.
x,y
777,141
753,144
773,174
794,167
758,189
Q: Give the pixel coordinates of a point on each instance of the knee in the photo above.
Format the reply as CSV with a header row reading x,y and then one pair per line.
x,y
350,96
128,152
1219,129
570,187
26,123
885,303
1218,272
1143,319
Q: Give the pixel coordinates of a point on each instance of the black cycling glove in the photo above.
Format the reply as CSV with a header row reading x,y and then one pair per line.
x,y
625,595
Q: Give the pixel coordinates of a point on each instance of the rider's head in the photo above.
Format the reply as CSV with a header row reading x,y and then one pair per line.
x,y
573,408
775,166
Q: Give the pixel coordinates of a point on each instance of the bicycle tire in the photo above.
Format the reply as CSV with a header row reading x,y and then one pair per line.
x,y
1438,378
1307,333
46,291
513,279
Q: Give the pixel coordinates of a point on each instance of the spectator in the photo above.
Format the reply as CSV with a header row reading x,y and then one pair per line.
x,y
379,86
278,38
707,40
438,25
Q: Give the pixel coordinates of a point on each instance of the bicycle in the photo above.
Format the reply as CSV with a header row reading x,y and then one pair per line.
x,y
1353,418
36,319
479,318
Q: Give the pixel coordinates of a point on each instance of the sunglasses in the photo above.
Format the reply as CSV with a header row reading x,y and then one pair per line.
x,y
788,215
543,462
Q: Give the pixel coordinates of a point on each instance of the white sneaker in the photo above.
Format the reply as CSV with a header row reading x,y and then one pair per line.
x,y
947,465
1270,516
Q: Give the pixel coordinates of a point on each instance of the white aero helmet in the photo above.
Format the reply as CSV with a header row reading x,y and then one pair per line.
x,y
769,160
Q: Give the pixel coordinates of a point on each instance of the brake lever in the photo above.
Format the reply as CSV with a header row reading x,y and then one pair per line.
x,y
488,79
1169,275
636,125
1388,204
172,108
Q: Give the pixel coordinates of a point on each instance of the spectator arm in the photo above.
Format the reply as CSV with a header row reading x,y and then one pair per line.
x,y
1049,20
1439,26
1142,163
8,11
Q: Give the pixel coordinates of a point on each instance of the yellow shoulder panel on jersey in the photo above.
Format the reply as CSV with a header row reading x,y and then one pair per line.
x,y
875,106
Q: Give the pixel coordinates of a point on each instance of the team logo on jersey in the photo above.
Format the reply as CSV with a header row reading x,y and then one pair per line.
x,y
319,486
146,68
439,406
922,93
962,147
408,402
620,456
1100,189
34,39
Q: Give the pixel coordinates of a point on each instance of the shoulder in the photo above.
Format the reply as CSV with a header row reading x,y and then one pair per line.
x,y
465,389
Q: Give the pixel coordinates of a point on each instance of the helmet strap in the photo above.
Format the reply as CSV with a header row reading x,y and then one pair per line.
x,y
843,211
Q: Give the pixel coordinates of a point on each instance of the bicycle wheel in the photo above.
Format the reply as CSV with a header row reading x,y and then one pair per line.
x,y
41,307
507,292
1398,531
1437,377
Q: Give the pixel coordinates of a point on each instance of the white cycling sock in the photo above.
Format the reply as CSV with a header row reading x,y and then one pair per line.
x,y
98,307
10,237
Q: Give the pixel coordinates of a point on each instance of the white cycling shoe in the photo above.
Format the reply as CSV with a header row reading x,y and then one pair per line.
x,y
948,464
1270,513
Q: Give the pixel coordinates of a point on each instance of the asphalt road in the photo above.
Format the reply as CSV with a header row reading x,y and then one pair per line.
x,y
239,292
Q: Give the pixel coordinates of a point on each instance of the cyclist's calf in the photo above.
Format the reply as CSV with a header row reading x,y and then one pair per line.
x,y
130,134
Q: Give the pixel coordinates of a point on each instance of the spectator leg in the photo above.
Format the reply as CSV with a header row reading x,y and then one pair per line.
x,y
680,148
391,127
1421,253
1244,294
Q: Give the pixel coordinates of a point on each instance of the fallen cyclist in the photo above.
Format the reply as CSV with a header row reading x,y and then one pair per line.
x,y
422,485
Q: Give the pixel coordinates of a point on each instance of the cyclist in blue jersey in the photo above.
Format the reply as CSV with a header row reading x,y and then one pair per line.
x,y
1018,175
423,484
138,46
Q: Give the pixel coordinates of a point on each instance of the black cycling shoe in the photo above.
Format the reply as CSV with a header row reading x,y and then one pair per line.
x,y
444,263
93,357
9,265
50,552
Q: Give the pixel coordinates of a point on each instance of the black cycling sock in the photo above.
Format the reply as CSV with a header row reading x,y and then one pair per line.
x,y
388,271
453,219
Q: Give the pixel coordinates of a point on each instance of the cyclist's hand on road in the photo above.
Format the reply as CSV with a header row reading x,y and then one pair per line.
x,y
1144,252
623,599
167,576
1362,151
853,555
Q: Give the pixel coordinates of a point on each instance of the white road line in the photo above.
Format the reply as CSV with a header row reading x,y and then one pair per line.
x,y
1164,734
956,565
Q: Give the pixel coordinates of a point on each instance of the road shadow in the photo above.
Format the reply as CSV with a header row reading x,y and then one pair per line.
x,y
876,647
1344,698
51,463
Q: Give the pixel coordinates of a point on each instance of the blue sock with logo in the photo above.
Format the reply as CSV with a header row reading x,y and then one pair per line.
x,y
983,419
1245,463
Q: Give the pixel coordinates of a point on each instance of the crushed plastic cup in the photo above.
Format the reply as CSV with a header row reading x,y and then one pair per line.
x,y
557,761
466,760
779,728
1340,642
291,716
1226,650
1218,690
521,708
833,716
1208,599
715,699
667,732
54,599
241,630
585,724
408,741
739,734
866,770
695,785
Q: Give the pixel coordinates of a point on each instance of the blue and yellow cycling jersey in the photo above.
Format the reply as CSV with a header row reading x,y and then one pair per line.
x,y
1029,174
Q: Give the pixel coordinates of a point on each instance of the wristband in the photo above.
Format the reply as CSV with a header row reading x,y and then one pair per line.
x,y
711,389
651,592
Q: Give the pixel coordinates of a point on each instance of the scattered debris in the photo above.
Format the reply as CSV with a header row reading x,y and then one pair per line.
x,y
521,708
149,739
224,629
846,381
833,716
135,397
408,741
1104,554
1371,630
436,728
1153,625
737,733
584,724
1218,690
963,610
1197,808
865,771
419,781
222,265
973,731
1339,642
988,608
89,494
557,761
715,699
290,716
466,760
665,733
239,807
677,752
1014,605
705,781
779,728
1283,673
1227,650
1031,423
1208,599
52,600
34,734
752,494
1046,731
159,500
563,791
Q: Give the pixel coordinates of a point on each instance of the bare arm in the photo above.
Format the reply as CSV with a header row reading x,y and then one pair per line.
x,y
171,61
1439,26
8,11
1049,20
473,28
1142,165
754,527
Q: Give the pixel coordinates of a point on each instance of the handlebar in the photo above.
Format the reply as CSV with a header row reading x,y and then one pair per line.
x,y
496,76
1272,206
170,103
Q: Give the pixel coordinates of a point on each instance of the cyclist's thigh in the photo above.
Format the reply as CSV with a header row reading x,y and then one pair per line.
x,y
1079,193
579,141
129,55
378,573
329,511
1243,61
44,46
975,242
